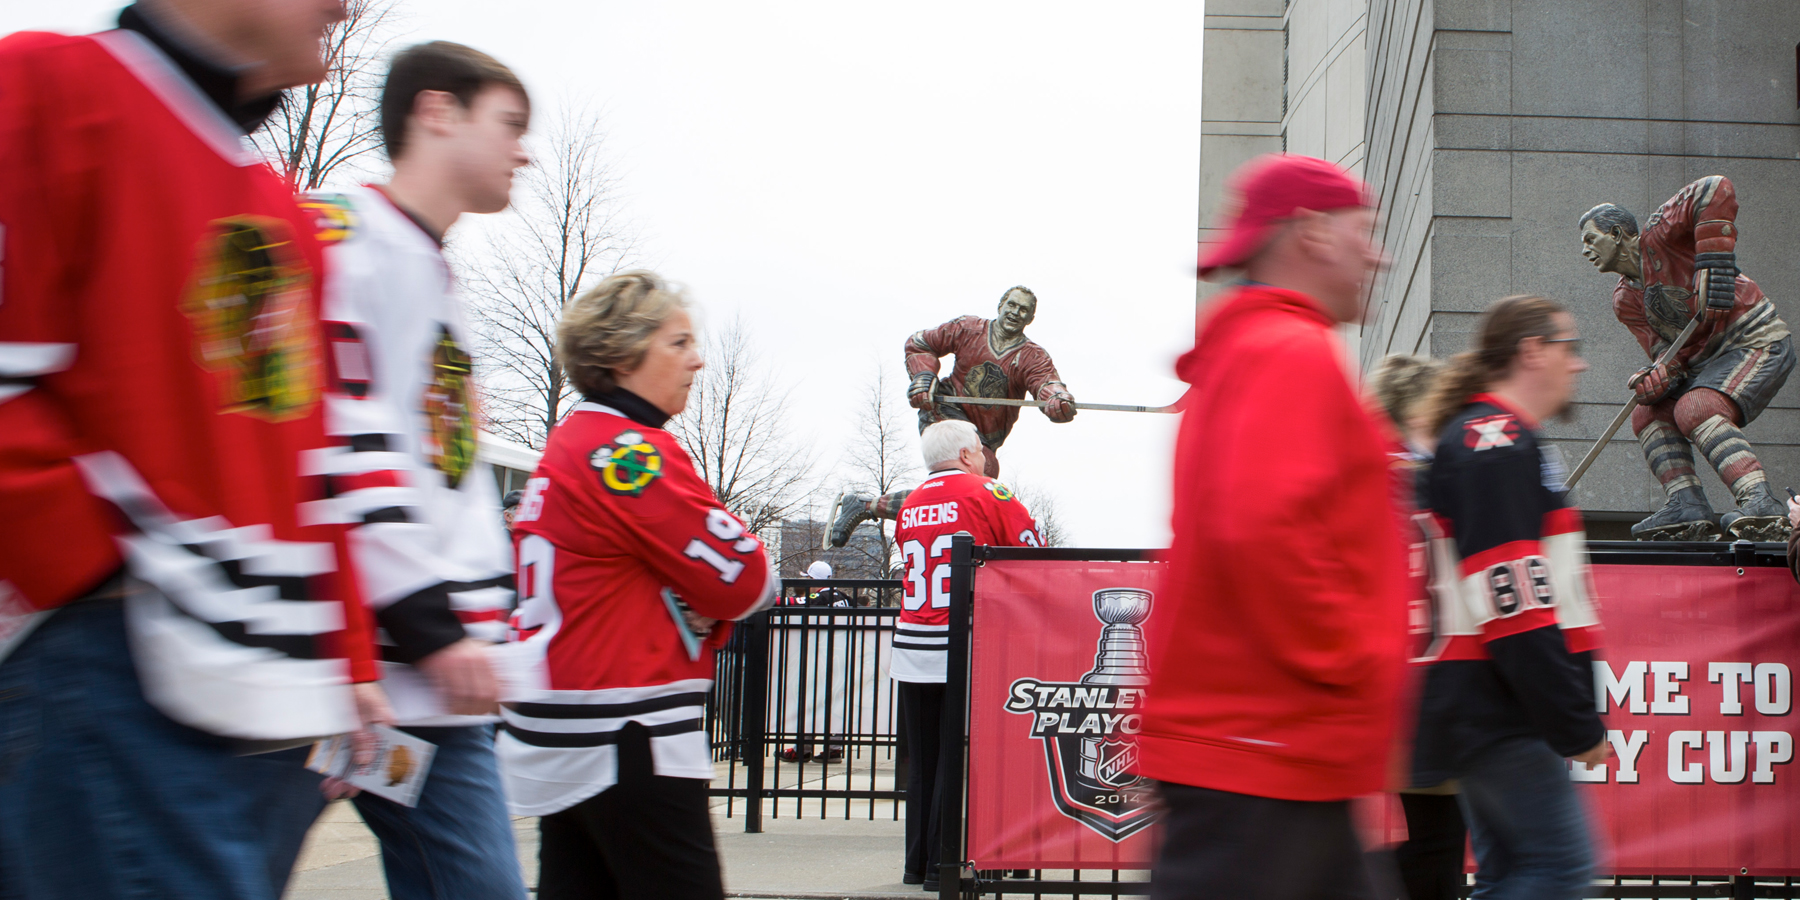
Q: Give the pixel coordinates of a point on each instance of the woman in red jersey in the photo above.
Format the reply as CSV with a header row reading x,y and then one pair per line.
x,y
627,568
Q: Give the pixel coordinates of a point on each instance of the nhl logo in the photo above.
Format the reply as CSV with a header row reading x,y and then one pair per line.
x,y
1089,727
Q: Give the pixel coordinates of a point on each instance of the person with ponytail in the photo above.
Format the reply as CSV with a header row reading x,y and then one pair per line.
x,y
1509,692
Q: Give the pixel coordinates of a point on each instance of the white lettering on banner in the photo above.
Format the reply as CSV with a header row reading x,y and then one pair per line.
x,y
1734,675
1627,750
1773,689
1665,693
1061,708
1737,745
1631,684
1680,770
1772,748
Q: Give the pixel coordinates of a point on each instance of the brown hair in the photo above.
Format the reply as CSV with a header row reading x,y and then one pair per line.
x,y
1400,382
443,66
1507,322
608,327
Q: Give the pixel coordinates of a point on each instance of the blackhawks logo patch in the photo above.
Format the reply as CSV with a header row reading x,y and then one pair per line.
x,y
333,219
1089,726
1000,491
628,464
251,310
450,410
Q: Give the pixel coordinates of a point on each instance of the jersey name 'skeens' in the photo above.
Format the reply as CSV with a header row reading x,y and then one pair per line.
x,y
929,514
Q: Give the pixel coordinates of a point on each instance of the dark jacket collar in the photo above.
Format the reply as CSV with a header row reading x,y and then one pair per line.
x,y
635,408
219,83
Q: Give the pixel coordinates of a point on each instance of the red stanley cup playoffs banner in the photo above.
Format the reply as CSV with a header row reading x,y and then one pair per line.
x,y
1696,688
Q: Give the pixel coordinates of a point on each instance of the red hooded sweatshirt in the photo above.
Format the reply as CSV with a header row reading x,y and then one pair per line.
x,y
1278,645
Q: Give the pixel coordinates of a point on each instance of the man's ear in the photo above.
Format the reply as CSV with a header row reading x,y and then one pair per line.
x,y
435,111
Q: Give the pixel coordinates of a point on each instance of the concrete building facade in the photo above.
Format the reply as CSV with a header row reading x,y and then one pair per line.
x,y
1486,127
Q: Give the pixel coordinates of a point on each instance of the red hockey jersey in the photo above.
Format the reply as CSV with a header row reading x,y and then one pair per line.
x,y
623,554
949,501
1701,218
160,377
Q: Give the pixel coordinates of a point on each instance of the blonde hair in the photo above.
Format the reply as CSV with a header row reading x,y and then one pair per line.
x,y
1507,322
1400,381
608,327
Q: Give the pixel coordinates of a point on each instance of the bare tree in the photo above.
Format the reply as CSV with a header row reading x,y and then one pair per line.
x,y
1042,505
321,128
735,428
882,455
565,231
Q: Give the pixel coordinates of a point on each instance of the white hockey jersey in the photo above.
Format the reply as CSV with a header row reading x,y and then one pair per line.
x,y
431,549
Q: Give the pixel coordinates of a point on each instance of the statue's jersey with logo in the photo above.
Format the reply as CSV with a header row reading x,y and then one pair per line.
x,y
1022,371
624,558
1702,218
160,377
1515,619
434,561
950,501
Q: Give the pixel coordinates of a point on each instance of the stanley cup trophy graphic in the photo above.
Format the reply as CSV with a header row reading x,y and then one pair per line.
x,y
1107,761
1089,727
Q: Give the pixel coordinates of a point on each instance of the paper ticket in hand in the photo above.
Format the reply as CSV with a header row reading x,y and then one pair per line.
x,y
397,772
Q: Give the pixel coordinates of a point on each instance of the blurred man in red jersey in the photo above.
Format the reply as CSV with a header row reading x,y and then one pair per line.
x,y
174,607
1277,666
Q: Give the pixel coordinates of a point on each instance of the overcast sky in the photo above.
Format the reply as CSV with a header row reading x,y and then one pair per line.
x,y
843,174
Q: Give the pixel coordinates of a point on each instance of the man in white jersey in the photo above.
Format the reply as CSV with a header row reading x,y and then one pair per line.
x,y
955,497
434,560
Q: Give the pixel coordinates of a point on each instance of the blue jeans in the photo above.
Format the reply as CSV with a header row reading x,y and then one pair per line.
x,y
102,796
1527,826
457,842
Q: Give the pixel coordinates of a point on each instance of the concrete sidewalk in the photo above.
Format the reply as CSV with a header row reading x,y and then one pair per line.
x,y
792,859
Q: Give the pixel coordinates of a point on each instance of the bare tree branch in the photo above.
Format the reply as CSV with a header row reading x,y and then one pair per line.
x,y
320,129
735,430
1041,503
565,231
882,457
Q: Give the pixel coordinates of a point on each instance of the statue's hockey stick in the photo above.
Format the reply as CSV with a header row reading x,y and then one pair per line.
x,y
1104,407
1619,420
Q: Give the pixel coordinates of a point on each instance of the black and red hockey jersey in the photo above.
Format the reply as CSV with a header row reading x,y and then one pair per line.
x,y
1516,621
948,502
624,559
160,377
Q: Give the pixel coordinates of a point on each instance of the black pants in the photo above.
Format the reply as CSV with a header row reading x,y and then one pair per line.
x,y
649,837
1232,846
1431,860
922,720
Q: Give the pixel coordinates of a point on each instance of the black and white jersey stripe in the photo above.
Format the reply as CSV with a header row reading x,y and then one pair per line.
x,y
908,636
558,748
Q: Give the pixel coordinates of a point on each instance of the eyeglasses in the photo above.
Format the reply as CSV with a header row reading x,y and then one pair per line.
x,y
1574,344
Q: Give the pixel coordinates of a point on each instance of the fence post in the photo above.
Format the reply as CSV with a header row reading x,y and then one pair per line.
x,y
952,774
755,716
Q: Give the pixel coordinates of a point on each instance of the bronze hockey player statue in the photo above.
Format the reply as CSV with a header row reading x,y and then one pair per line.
x,y
994,359
1683,264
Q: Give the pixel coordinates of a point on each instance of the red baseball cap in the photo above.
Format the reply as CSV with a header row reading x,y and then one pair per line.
x,y
1268,189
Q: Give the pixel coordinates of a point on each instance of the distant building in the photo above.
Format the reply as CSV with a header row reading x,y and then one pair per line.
x,y
1487,127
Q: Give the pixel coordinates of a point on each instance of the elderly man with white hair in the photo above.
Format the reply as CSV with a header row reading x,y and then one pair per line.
x,y
955,497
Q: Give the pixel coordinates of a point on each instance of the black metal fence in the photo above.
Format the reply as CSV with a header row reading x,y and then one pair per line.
x,y
805,723
803,719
